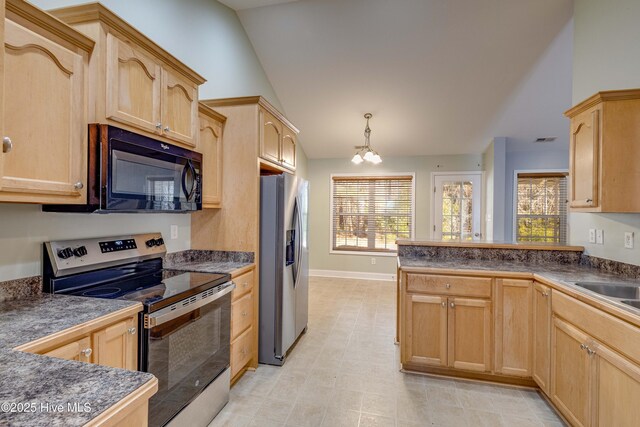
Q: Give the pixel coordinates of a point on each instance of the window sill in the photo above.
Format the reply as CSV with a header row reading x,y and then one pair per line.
x,y
363,253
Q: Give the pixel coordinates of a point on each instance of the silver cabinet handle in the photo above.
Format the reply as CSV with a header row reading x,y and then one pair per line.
x,y
452,305
7,145
583,347
131,330
158,125
444,304
545,294
78,185
590,351
86,352
448,286
589,200
244,314
166,129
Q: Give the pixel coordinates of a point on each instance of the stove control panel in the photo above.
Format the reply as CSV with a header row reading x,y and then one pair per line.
x,y
75,256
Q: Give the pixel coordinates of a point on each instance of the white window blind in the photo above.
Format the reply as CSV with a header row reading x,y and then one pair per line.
x,y
370,212
541,214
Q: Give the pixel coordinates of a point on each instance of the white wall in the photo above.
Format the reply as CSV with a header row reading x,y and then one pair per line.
x,y
205,35
319,176
606,56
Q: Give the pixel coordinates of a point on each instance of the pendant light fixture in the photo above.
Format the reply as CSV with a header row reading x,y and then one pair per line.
x,y
364,151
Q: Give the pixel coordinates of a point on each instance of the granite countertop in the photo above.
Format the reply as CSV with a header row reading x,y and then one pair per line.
x,y
488,244
44,382
226,267
563,274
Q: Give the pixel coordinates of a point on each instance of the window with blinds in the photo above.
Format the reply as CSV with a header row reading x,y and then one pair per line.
x,y
541,214
370,212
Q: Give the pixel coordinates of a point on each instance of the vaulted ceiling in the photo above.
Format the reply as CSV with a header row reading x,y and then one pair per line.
x,y
439,76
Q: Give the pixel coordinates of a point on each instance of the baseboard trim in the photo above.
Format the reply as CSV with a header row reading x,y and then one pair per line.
x,y
353,275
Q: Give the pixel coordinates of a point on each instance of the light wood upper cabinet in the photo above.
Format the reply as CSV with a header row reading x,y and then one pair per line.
x,y
604,147
513,327
469,341
179,104
44,149
270,137
570,373
584,161
289,141
425,330
541,336
133,86
117,345
79,350
210,146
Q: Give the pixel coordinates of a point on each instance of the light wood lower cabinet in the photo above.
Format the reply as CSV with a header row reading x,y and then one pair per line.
x,y
117,345
79,350
541,336
425,334
513,326
469,334
241,352
244,324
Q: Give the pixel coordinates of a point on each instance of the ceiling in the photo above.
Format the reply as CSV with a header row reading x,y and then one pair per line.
x,y
248,4
439,76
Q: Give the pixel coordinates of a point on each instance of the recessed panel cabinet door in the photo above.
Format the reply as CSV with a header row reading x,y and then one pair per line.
x,y
117,345
45,131
133,86
425,330
79,350
469,334
179,108
270,137
541,335
584,159
210,146
570,373
289,141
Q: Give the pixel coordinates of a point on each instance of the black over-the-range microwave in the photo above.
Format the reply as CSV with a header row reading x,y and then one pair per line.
x,y
128,172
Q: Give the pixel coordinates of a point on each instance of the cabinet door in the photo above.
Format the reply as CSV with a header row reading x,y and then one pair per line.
x,y
469,334
45,120
425,330
541,335
270,137
133,86
210,145
179,108
584,158
289,140
617,389
570,373
241,351
79,350
117,345
513,320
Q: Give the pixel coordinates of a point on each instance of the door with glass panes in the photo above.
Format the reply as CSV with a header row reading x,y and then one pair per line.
x,y
457,206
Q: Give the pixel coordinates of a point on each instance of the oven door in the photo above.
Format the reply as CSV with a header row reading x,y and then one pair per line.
x,y
186,349
146,174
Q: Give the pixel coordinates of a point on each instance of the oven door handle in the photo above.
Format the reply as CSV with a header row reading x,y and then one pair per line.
x,y
176,310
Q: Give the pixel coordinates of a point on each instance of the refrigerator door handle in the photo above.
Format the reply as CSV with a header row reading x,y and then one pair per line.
x,y
298,256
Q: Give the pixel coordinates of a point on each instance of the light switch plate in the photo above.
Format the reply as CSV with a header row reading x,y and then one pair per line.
x,y
599,237
174,232
592,235
628,240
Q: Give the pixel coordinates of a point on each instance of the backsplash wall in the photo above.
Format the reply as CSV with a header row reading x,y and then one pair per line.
x,y
606,56
25,227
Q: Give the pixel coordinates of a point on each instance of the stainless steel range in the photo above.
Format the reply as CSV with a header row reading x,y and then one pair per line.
x,y
185,324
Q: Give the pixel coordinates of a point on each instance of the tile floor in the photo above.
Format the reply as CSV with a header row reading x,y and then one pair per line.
x,y
345,372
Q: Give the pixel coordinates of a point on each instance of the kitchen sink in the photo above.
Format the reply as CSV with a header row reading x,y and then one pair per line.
x,y
613,290
632,302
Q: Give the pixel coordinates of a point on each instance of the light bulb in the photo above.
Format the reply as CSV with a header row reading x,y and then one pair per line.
x,y
376,159
368,156
357,159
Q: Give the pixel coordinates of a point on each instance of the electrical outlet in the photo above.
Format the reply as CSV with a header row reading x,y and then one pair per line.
x,y
599,237
373,261
592,235
174,232
628,240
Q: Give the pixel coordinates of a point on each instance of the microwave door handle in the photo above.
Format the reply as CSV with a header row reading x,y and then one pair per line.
x,y
188,168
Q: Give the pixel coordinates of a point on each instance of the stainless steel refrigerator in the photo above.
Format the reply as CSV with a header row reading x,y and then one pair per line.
x,y
284,265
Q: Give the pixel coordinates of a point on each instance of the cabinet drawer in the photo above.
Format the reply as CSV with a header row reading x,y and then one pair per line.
x,y
241,315
241,351
449,285
611,331
244,284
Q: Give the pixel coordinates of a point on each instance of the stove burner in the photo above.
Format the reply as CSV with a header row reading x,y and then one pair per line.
x,y
101,292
